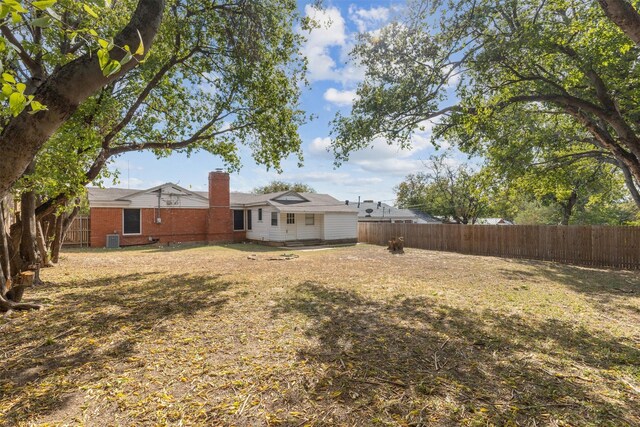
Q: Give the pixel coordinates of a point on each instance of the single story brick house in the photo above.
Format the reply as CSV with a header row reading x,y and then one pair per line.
x,y
169,213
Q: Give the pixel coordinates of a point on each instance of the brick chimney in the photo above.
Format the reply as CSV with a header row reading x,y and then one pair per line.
x,y
219,221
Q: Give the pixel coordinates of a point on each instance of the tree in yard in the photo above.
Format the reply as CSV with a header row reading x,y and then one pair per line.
x,y
507,61
624,15
219,74
54,82
550,163
277,186
455,193
241,59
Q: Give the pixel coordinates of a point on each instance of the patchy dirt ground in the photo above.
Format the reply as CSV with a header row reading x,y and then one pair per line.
x,y
351,336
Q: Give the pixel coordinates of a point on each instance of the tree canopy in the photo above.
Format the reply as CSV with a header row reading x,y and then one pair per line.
x,y
219,74
550,66
277,186
454,192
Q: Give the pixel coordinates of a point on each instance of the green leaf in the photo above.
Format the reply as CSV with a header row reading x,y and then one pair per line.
x,y
54,14
36,106
43,4
111,68
103,43
140,49
17,102
103,58
89,10
7,90
21,87
4,11
126,58
8,78
42,22
16,18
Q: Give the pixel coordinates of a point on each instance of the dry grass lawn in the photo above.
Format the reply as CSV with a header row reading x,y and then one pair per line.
x,y
352,336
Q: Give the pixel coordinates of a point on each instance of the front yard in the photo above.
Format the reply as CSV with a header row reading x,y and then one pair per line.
x,y
347,336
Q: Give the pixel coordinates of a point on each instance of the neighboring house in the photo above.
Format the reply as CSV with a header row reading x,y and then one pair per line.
x,y
169,213
493,221
370,211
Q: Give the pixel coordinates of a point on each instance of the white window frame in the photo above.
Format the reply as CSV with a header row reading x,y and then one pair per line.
x,y
308,217
259,214
291,219
140,218
274,216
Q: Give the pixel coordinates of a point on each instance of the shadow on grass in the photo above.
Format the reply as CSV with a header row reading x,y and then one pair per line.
x,y
413,360
582,279
111,315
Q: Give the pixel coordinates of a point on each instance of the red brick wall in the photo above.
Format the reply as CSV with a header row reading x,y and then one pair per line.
x,y
178,225
220,220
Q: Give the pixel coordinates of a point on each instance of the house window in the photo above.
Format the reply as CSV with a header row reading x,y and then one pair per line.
x,y
249,219
274,219
260,214
309,219
238,220
291,218
131,221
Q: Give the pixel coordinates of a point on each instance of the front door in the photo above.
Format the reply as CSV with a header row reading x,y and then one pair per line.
x,y
291,228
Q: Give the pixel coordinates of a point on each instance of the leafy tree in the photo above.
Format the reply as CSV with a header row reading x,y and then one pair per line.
x,y
54,47
457,194
513,64
624,15
277,186
219,74
62,66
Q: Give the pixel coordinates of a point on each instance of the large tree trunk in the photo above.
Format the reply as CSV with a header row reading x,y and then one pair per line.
x,y
57,240
5,264
10,293
65,89
567,208
622,13
62,232
28,244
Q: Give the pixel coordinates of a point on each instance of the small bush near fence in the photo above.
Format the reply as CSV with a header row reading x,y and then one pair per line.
x,y
602,246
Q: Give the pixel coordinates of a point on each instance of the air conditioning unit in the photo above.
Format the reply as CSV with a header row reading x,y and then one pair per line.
x,y
113,241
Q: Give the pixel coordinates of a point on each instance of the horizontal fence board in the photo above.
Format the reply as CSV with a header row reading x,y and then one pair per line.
x,y
599,246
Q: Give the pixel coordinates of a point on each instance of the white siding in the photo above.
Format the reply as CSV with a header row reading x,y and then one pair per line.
x,y
328,226
306,232
340,226
263,230
151,201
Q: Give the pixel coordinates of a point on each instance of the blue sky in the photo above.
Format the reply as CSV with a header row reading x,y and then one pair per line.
x,y
333,77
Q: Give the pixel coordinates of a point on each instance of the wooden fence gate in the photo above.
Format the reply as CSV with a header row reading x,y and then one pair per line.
x,y
601,246
78,232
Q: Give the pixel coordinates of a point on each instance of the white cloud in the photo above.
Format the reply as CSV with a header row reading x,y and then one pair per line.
x,y
320,145
392,166
330,39
335,177
366,19
329,32
341,98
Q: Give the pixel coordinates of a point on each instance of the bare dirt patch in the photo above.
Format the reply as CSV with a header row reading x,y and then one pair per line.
x,y
349,336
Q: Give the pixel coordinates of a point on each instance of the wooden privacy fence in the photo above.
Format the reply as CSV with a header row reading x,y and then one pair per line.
x,y
78,232
602,246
